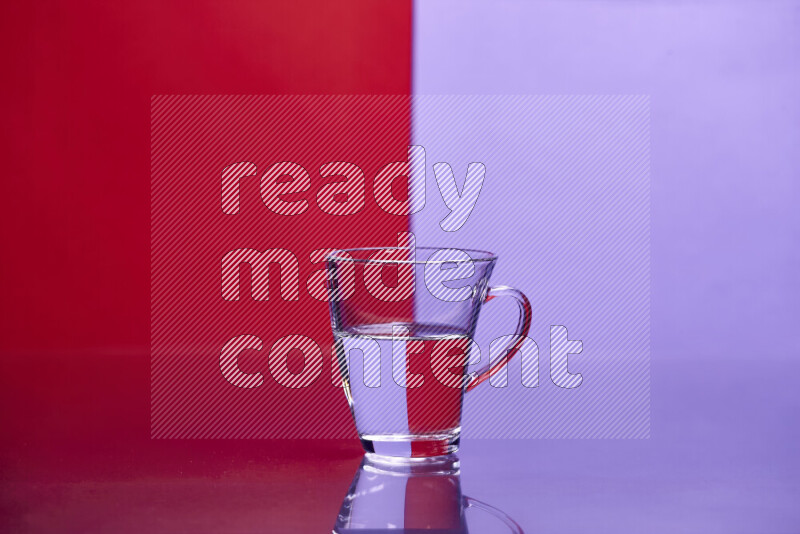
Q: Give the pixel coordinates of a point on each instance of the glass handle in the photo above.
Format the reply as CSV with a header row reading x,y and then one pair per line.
x,y
524,324
507,521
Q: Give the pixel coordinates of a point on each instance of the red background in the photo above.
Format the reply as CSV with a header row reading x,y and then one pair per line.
x,y
75,269
193,140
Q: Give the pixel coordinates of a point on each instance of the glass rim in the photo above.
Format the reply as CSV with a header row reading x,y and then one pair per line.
x,y
484,255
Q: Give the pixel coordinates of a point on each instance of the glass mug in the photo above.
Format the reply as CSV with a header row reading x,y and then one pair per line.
x,y
423,497
403,319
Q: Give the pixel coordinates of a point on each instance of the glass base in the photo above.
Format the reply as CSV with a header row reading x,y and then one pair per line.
x,y
410,448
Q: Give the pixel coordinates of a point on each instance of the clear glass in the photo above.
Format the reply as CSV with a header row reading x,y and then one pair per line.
x,y
403,320
386,496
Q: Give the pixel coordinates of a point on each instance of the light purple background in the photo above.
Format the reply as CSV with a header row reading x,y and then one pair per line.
x,y
723,78
565,204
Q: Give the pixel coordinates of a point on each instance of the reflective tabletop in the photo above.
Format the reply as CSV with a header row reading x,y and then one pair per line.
x,y
722,457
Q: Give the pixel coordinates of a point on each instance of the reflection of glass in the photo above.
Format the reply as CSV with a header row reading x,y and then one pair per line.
x,y
409,498
403,348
